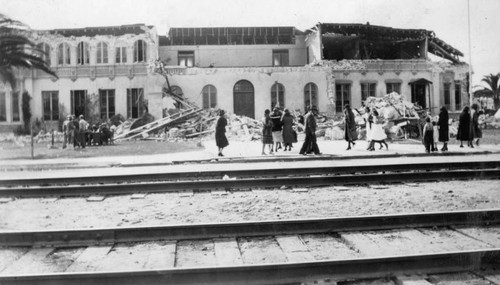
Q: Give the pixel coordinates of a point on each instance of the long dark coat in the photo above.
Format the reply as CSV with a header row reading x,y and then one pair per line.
x,y
476,132
463,133
220,132
443,125
287,122
350,133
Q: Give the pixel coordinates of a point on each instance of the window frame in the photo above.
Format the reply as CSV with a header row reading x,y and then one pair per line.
x,y
52,114
308,95
368,89
139,103
277,95
44,52
209,94
16,108
102,53
279,59
121,55
458,95
107,107
390,89
3,106
447,94
183,57
344,88
63,54
140,51
82,53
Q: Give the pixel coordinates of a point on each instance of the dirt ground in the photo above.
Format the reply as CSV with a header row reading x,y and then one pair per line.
x,y
255,205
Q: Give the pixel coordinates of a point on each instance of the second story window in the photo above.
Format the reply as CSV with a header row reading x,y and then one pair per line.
x,y
63,54
140,51
83,53
367,90
280,57
102,52
186,58
44,50
121,55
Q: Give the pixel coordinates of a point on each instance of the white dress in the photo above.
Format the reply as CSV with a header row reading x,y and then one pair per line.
x,y
369,130
378,132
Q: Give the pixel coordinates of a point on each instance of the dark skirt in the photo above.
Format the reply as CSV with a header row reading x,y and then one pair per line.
x,y
221,140
267,136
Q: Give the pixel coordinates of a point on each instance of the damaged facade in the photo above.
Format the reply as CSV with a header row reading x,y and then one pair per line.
x,y
244,70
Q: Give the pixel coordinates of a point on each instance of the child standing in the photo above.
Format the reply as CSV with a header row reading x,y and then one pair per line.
x,y
435,135
428,135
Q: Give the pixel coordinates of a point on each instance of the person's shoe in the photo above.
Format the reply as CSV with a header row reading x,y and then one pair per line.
x,y
263,153
461,146
348,148
381,147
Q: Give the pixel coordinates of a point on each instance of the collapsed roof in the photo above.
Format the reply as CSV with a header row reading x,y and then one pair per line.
x,y
135,29
230,36
365,41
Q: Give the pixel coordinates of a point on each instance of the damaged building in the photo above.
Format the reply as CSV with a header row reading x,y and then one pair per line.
x,y
103,71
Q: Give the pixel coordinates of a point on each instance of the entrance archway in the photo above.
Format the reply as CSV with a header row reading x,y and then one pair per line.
x,y
244,99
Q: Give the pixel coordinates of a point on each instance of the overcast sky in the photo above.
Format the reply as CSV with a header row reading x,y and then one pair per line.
x,y
447,18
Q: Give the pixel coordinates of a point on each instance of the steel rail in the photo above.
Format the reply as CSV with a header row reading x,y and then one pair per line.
x,y
273,171
245,184
86,237
282,273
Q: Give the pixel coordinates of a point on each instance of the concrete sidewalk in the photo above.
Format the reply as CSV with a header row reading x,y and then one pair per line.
x,y
242,151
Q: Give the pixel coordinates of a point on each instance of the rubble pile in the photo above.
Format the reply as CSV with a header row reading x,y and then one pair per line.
x,y
341,65
393,106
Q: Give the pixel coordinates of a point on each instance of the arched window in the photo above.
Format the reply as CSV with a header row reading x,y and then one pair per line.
x,y
277,95
83,53
44,52
140,51
244,99
209,96
63,54
310,95
102,52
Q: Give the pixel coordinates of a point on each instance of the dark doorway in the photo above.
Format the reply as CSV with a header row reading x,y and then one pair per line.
x,y
78,102
244,99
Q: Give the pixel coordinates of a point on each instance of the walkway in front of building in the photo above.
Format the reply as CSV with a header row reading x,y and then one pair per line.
x,y
251,151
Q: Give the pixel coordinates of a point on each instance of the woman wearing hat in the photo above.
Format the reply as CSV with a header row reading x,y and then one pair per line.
x,y
220,132
350,134
288,133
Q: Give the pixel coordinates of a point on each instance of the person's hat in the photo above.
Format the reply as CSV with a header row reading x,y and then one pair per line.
x,y
81,117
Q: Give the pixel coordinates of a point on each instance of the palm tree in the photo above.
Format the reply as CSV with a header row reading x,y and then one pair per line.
x,y
17,51
493,87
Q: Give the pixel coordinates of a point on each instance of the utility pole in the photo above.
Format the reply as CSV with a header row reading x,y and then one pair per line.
x,y
471,99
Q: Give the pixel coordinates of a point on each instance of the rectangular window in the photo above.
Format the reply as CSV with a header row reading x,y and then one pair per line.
x,y
447,95
342,96
50,101
3,107
186,58
280,57
368,90
121,55
107,102
135,102
16,116
458,95
393,87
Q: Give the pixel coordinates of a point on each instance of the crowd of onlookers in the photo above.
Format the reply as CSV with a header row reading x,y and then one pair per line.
x,y
280,129
79,133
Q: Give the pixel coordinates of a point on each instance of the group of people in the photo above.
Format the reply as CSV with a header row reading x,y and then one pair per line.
x,y
77,131
278,130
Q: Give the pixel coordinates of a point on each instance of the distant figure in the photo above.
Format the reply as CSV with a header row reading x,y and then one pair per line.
x,y
443,128
428,135
350,134
368,117
76,132
378,132
66,131
310,145
463,133
83,128
476,132
435,136
220,132
267,132
277,128
288,132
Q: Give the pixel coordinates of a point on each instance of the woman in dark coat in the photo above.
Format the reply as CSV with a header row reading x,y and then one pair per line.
x,y
288,133
443,128
267,132
350,134
476,132
220,132
463,133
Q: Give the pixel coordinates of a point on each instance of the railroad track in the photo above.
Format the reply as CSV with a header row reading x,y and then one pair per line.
x,y
270,252
271,176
